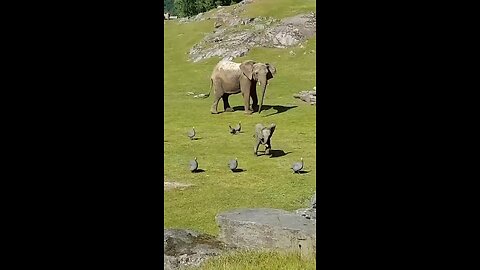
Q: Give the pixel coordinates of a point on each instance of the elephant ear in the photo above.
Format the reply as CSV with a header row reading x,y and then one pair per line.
x,y
272,70
247,68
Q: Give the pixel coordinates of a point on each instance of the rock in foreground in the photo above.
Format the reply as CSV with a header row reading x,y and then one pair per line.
x,y
186,248
265,228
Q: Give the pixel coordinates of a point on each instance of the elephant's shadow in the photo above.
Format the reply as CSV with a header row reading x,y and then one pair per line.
x,y
278,153
277,108
273,153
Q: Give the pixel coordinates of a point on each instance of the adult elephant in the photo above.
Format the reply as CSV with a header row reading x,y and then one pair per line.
x,y
232,78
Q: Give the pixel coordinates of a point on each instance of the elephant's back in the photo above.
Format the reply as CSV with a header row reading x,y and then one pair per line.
x,y
228,66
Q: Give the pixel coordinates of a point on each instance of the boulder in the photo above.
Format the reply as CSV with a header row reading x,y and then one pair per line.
x,y
313,202
187,248
266,228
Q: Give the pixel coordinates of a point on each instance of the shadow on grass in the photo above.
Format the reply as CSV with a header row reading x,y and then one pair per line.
x,y
278,153
198,171
278,108
301,172
196,139
238,170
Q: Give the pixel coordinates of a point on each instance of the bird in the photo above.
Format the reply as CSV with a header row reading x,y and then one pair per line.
x,y
193,165
232,130
232,164
191,133
238,127
297,166
235,130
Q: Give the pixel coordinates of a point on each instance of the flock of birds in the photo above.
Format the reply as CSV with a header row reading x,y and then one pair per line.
x,y
233,164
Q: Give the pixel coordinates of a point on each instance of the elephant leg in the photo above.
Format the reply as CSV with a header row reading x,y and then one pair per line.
x,y
218,93
226,105
253,93
216,98
245,87
255,148
246,101
268,147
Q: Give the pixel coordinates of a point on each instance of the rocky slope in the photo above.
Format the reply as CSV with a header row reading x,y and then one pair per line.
x,y
234,35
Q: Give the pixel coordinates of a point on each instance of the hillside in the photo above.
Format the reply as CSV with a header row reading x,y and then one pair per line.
x,y
266,181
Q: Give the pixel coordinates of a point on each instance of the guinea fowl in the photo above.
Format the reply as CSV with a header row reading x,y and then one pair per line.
x,y
193,165
297,166
232,130
233,164
236,129
191,133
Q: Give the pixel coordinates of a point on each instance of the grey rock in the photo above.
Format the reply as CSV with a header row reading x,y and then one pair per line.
x,y
266,228
313,203
228,40
308,213
307,96
187,248
198,16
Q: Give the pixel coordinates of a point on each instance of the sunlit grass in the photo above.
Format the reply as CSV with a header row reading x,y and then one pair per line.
x,y
279,8
260,261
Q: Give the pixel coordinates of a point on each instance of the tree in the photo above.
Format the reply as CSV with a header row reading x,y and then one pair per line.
x,y
186,7
168,6
205,5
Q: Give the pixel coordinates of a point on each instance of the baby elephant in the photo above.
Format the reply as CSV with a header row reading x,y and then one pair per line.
x,y
262,136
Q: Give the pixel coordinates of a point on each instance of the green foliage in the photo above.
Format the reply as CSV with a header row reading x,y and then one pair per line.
x,y
255,260
186,8
193,7
205,5
168,6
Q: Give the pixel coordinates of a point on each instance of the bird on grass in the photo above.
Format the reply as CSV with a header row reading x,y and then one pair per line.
x,y
233,164
193,165
235,130
191,133
297,166
238,127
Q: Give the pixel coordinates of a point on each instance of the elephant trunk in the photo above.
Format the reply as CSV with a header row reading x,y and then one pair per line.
x,y
263,84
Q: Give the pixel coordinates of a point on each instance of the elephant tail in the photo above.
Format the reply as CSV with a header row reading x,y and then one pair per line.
x,y
211,85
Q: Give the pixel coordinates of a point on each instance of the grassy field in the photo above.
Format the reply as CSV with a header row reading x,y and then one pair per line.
x,y
279,8
266,181
260,261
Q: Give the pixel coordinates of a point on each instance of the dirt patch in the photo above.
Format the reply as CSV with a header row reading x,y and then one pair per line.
x,y
174,185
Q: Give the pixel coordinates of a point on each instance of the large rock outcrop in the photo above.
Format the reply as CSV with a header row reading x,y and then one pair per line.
x,y
235,35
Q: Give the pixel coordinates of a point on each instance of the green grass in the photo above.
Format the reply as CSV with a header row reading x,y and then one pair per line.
x,y
267,182
260,261
279,8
